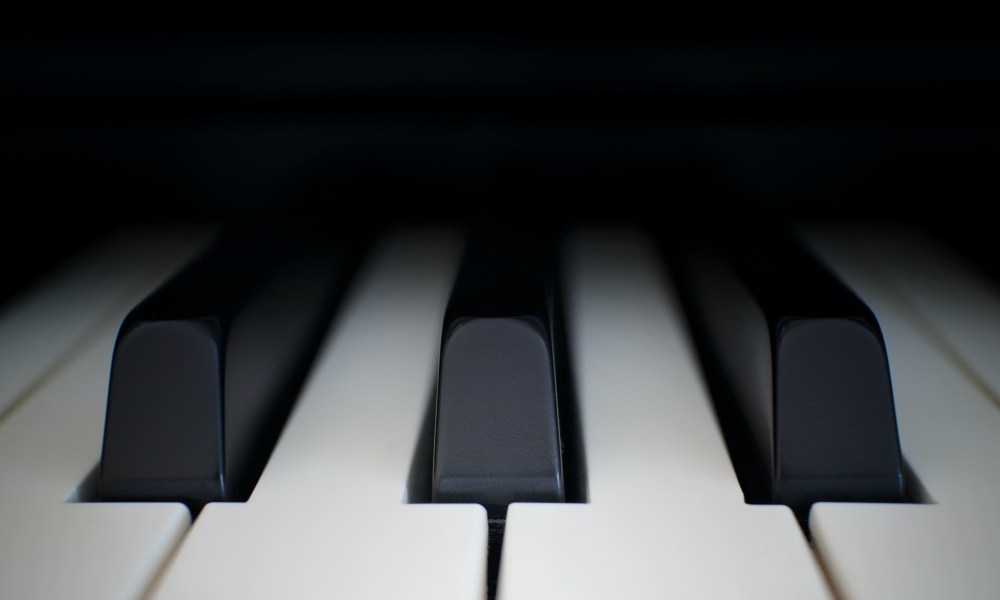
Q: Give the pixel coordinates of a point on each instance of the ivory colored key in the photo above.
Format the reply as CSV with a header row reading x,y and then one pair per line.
x,y
51,548
956,301
329,512
949,429
666,516
40,330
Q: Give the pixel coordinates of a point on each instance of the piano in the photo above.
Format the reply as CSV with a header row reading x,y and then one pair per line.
x,y
879,151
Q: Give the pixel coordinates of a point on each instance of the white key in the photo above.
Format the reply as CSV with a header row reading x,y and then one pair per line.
x,y
958,304
40,330
328,517
666,516
50,548
949,431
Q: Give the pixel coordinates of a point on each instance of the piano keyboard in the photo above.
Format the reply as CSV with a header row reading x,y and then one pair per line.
x,y
664,517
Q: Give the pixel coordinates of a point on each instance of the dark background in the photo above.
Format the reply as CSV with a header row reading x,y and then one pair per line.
x,y
353,129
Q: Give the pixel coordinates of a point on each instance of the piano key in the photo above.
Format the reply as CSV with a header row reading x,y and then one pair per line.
x,y
949,544
85,550
960,304
206,368
497,436
797,368
948,425
44,326
329,512
502,394
666,515
50,446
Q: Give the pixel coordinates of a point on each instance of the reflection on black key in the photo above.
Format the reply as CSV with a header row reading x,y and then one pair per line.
x,y
206,368
798,370
497,436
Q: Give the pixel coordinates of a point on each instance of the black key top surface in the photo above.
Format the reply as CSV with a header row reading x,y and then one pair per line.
x,y
797,368
205,369
497,435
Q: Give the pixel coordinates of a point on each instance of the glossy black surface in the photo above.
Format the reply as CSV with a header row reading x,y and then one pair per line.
x,y
207,367
497,434
797,368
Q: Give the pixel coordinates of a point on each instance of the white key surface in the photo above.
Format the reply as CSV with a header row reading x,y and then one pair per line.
x,y
328,518
44,325
960,303
50,548
949,429
666,516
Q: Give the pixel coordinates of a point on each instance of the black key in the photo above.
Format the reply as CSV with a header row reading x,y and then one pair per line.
x,y
497,436
205,370
797,368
